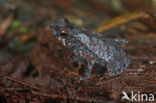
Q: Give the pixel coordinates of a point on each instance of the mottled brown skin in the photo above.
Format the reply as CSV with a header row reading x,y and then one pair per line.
x,y
92,47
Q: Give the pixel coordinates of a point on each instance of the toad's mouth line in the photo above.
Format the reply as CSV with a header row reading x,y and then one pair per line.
x,y
63,41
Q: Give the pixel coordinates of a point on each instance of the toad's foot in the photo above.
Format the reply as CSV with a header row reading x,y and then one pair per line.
x,y
115,67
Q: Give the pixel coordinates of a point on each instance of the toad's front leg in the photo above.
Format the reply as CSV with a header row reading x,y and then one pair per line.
x,y
90,64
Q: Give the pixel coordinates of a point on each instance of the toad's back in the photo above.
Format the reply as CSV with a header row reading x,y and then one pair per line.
x,y
104,48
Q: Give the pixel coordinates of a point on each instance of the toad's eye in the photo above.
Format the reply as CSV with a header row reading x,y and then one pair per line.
x,y
64,33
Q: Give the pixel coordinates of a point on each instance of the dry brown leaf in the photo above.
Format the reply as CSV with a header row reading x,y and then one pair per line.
x,y
5,24
26,37
121,20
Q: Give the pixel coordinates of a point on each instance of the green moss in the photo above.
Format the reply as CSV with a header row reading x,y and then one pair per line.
x,y
22,48
15,24
24,30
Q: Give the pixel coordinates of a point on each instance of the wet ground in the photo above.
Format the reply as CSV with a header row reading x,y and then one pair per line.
x,y
35,67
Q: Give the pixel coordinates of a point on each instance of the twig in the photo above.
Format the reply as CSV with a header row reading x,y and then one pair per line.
x,y
21,82
48,95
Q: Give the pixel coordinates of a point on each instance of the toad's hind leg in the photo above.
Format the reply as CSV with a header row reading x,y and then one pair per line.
x,y
115,67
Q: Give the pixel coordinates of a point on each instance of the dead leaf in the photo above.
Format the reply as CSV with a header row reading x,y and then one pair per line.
x,y
121,20
5,24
